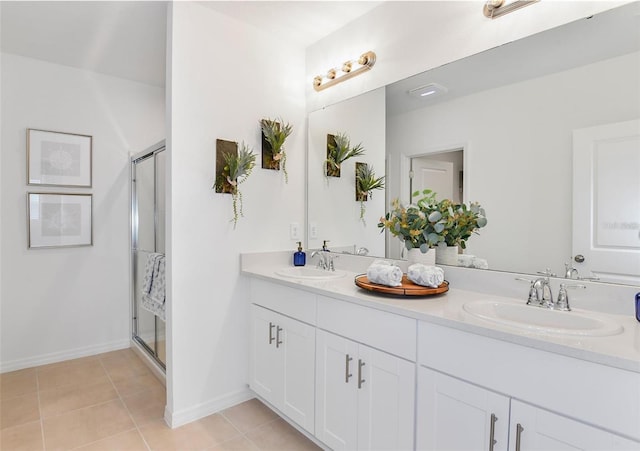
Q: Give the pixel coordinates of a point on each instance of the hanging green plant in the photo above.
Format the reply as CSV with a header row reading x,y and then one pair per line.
x,y
274,134
366,183
236,170
338,151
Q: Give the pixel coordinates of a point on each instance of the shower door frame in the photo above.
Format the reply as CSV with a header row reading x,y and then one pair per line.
x,y
150,152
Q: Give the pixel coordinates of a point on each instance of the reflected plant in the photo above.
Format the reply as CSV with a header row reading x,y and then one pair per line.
x,y
366,183
339,151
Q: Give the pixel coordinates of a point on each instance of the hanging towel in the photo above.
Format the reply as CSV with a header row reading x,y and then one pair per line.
x,y
427,276
384,273
153,285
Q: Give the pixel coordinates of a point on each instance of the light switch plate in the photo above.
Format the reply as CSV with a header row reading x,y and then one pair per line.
x,y
313,231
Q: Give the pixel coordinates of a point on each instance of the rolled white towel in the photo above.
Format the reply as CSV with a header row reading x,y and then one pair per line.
x,y
384,273
471,261
427,276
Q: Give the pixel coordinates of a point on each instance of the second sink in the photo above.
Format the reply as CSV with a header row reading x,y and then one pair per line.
x,y
543,320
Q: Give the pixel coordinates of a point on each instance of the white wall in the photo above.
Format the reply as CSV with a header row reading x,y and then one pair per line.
x,y
225,77
411,37
335,212
529,215
63,303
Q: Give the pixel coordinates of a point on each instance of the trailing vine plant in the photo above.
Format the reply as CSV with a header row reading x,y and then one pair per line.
x,y
236,170
275,133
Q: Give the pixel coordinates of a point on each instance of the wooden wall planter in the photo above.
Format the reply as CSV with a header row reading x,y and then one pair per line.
x,y
330,170
222,185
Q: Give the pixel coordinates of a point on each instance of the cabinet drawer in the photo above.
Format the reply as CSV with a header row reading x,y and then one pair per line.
x,y
394,334
295,303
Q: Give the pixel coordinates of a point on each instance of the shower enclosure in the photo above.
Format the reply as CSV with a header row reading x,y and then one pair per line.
x,y
147,236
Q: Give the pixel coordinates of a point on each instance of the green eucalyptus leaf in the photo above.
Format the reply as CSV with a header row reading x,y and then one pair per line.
x,y
435,216
481,222
424,248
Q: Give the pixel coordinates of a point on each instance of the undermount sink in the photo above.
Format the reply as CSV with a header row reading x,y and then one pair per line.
x,y
304,272
542,320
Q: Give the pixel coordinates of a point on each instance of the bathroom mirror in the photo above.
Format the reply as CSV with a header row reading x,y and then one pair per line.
x,y
512,112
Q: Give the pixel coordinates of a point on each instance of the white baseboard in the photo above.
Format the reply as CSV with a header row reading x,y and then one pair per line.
x,y
177,419
61,356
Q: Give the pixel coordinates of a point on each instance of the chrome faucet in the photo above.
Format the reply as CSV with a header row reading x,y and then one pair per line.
x,y
570,272
325,258
543,292
540,294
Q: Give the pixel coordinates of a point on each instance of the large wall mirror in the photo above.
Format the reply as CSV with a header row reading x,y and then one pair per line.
x,y
544,132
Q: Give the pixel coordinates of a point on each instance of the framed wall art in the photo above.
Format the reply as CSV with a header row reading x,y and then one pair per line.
x,y
58,159
59,220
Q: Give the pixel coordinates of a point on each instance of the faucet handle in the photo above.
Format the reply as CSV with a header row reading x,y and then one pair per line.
x,y
533,292
547,272
563,298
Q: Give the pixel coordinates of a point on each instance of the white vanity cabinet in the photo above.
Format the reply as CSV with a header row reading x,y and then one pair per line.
x,y
282,362
535,429
456,415
534,400
365,377
364,397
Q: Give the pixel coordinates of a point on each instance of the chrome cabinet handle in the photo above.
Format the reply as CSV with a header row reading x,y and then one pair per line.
x,y
492,432
278,341
519,430
347,374
271,326
360,379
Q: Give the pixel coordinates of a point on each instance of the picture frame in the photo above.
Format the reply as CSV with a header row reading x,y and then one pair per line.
x,y
59,220
59,159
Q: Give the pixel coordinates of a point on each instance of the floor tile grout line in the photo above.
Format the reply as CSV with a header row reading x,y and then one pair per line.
x,y
41,417
135,423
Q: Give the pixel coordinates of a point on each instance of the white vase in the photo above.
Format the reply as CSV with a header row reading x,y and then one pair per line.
x,y
447,255
415,255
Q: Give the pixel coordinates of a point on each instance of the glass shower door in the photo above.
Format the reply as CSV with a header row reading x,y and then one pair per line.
x,y
148,212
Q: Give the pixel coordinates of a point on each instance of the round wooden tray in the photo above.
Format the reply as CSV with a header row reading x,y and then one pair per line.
x,y
407,288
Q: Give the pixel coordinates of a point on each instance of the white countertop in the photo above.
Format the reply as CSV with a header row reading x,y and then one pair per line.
x,y
620,351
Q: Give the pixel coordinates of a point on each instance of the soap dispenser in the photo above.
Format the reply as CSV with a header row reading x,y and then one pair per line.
x,y
299,258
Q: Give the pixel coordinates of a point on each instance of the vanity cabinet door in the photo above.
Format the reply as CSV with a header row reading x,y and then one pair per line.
x,y
336,391
535,429
365,398
298,350
266,365
283,364
386,400
456,415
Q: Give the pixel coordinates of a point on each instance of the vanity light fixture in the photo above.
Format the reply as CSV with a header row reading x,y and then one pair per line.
x,y
496,8
348,70
431,90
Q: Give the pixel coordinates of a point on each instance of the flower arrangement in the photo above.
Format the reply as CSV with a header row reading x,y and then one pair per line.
x,y
419,225
427,223
236,170
275,133
461,221
338,151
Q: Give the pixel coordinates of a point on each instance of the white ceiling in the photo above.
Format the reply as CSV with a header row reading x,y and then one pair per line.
x,y
127,39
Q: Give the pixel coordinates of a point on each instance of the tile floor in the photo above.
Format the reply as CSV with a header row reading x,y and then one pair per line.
x,y
113,402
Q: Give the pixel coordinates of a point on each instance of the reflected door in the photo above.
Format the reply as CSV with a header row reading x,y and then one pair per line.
x,y
606,201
